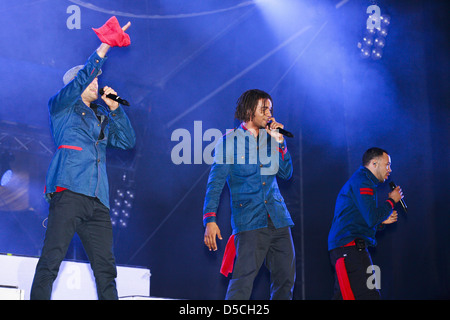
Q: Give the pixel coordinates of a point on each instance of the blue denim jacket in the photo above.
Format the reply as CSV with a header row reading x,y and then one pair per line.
x,y
79,163
251,178
357,213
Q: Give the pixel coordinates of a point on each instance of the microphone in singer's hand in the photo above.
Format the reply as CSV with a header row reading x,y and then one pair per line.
x,y
114,97
282,131
402,202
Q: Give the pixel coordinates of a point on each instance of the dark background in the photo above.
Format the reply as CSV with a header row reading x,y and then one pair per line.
x,y
189,61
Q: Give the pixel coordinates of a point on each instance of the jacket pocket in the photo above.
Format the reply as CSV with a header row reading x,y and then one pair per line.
x,y
242,213
241,204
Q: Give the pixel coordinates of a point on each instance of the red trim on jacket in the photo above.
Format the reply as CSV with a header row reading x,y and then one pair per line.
x,y
391,203
282,151
64,146
368,191
209,214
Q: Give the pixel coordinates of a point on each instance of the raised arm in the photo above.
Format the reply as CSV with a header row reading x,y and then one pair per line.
x,y
103,49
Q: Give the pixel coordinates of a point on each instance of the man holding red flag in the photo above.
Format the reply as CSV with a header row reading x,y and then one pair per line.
x,y
77,183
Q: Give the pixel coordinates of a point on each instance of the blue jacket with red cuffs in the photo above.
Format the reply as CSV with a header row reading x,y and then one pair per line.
x,y
250,166
357,214
79,163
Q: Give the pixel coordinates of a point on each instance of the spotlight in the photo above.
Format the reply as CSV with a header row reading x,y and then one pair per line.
x,y
365,50
115,212
377,53
123,223
383,32
121,208
122,204
380,42
371,31
5,168
385,19
368,41
125,213
6,177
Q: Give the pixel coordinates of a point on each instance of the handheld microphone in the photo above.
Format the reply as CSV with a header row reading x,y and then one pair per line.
x,y
283,132
402,202
114,97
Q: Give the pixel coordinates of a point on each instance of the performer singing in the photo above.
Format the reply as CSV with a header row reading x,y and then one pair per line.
x,y
76,183
357,217
259,217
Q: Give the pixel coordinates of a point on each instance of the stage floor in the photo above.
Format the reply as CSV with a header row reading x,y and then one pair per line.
x,y
75,280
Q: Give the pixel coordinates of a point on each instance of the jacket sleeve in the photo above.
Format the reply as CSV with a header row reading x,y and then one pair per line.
x,y
366,201
121,133
73,90
285,162
216,181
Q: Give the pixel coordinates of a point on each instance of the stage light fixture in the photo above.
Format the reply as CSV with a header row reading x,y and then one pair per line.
x,y
122,204
6,172
375,33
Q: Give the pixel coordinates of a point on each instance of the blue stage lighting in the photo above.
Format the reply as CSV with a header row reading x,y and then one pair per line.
x,y
122,204
5,169
6,177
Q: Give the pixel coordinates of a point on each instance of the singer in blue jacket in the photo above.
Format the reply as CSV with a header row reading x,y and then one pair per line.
x,y
357,217
76,183
250,159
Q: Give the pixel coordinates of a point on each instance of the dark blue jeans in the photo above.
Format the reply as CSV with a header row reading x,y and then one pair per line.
x,y
71,212
356,264
275,247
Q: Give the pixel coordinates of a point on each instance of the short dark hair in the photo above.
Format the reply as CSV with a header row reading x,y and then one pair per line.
x,y
247,103
372,153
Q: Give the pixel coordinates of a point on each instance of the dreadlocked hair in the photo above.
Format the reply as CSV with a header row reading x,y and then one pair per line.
x,y
247,103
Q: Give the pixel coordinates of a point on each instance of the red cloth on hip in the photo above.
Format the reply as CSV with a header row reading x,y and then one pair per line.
x,y
228,257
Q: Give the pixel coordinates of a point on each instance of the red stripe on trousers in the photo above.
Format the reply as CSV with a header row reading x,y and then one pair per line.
x,y
344,283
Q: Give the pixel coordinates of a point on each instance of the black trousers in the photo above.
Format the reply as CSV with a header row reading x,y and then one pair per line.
x,y
275,247
71,212
351,276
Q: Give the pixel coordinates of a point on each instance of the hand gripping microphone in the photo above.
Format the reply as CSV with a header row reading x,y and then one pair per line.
x,y
114,97
283,132
402,202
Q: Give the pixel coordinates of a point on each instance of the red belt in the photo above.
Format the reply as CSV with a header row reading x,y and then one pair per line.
x,y
350,244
